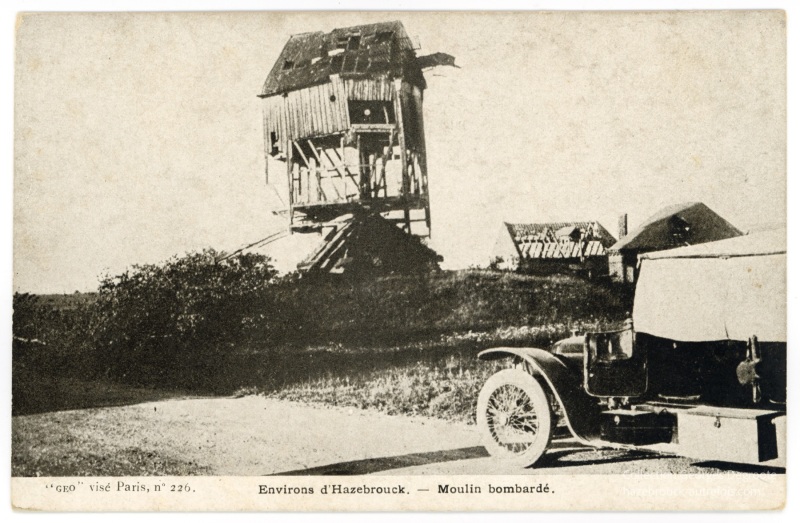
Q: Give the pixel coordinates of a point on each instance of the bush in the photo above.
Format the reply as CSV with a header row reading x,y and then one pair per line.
x,y
158,322
197,323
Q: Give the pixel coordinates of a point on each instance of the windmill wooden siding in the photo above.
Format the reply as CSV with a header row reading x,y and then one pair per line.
x,y
370,89
306,113
322,110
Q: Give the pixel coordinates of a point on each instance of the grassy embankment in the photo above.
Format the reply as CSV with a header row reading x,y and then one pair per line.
x,y
404,344
441,376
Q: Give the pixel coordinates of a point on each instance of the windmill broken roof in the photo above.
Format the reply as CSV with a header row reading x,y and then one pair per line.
x,y
677,226
310,59
541,240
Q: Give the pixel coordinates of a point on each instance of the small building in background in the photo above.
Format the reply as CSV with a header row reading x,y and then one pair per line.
x,y
553,247
673,226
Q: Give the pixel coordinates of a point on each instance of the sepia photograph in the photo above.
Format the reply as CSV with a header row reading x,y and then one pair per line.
x,y
434,260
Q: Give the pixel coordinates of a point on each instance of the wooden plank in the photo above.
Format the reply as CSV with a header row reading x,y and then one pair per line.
x,y
401,137
330,108
300,174
290,117
300,115
308,184
297,122
333,183
313,109
284,136
304,114
365,89
318,181
276,110
279,111
333,108
343,116
319,126
398,102
326,108
342,162
344,181
346,170
417,96
313,96
375,127
276,114
321,192
323,108
289,180
325,93
301,111
326,248
265,123
301,153
269,122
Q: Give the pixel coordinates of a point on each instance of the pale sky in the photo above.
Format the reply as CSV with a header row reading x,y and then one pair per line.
x,y
139,137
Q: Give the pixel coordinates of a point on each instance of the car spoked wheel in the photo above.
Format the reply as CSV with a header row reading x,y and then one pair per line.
x,y
514,417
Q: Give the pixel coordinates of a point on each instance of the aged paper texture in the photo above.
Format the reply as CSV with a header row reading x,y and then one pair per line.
x,y
399,261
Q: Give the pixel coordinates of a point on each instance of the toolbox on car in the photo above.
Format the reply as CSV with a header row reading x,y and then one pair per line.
x,y
726,434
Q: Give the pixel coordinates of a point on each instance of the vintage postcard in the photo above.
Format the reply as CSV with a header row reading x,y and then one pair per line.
x,y
343,261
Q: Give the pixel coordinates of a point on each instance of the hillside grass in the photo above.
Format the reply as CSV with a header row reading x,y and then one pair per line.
x,y
399,344
446,390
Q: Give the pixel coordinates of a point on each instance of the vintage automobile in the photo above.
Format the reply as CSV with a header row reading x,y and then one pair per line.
x,y
700,371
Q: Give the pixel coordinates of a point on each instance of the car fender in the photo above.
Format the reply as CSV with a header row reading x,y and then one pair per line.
x,y
581,411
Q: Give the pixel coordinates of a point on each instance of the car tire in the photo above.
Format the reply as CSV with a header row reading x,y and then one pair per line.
x,y
514,417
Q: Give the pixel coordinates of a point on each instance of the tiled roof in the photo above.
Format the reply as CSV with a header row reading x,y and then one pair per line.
x,y
560,239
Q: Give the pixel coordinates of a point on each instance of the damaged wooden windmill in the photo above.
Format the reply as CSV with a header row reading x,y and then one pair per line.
x,y
343,111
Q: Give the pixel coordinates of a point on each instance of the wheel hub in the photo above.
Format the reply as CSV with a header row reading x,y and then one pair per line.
x,y
502,419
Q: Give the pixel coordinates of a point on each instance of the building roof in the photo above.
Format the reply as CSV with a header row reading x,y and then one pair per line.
x,y
559,239
310,59
677,226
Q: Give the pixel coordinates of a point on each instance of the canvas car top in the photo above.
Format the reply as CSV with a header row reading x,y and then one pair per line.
x,y
726,290
756,244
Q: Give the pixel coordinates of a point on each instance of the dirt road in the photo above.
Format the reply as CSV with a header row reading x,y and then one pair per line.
x,y
253,436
